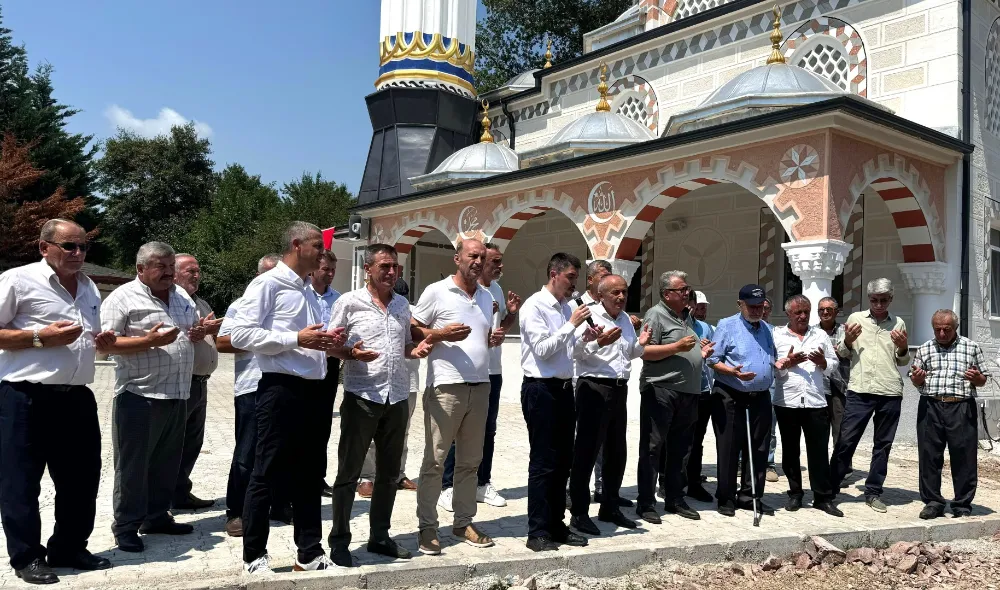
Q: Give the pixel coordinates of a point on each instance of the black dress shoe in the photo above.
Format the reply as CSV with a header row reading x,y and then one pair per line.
x,y
618,519
598,498
327,491
341,556
648,513
570,538
794,503
748,505
37,572
167,527
727,508
697,492
192,502
129,542
82,560
541,544
961,512
704,478
584,525
931,512
681,508
389,548
829,508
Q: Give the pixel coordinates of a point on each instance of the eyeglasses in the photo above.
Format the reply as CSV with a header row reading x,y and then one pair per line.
x,y
827,310
71,246
681,290
875,301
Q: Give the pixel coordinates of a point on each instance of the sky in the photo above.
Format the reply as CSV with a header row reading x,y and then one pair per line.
x,y
276,86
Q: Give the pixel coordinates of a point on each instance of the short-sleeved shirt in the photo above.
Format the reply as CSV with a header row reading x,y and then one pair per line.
x,y
739,342
705,331
496,352
681,371
163,372
246,370
206,355
466,361
946,367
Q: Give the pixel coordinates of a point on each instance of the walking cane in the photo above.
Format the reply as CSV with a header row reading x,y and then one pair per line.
x,y
753,474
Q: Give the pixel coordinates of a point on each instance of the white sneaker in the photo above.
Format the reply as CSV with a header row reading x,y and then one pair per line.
x,y
320,563
445,500
489,495
259,567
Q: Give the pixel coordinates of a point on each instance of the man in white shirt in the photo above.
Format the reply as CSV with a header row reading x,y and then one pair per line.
x,y
805,358
206,360
504,315
157,326
548,341
376,322
50,330
280,321
246,375
602,370
455,314
320,283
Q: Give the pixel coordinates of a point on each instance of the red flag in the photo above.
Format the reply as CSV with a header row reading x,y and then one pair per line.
x,y
328,238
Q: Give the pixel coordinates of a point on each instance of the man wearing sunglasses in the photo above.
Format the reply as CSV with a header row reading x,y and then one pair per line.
x,y
875,341
836,398
50,332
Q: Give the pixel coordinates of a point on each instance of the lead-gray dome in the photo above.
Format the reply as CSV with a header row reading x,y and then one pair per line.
x,y
593,132
476,161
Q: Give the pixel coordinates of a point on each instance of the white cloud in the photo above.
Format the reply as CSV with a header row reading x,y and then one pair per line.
x,y
160,125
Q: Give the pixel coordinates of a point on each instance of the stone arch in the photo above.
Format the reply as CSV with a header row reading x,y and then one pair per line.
x,y
835,31
515,211
651,199
907,196
992,69
411,228
639,88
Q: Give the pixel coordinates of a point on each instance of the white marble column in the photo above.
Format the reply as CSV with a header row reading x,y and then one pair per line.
x,y
625,268
926,284
816,262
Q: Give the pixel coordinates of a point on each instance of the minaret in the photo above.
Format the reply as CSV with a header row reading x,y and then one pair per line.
x,y
424,108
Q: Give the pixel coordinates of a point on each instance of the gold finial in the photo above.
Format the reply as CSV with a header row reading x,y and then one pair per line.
x,y
487,137
602,105
548,55
776,56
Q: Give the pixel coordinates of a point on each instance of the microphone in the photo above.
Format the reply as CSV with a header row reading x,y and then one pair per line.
x,y
579,302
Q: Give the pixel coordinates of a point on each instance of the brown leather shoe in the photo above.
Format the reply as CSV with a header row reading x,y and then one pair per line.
x,y
365,489
406,484
234,527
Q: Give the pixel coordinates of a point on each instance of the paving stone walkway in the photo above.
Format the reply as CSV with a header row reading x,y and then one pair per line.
x,y
211,558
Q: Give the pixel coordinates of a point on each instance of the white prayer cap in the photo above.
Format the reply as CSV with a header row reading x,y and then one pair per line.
x,y
700,297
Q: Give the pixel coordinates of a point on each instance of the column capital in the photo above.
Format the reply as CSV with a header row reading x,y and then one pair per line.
x,y
924,278
625,268
817,259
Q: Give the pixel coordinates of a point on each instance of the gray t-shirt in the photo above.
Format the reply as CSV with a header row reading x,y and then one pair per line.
x,y
680,372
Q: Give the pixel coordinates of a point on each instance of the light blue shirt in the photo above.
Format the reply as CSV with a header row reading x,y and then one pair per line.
x,y
704,330
738,343
326,301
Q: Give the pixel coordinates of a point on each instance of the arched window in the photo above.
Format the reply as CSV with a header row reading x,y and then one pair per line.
x,y
826,58
633,97
833,49
993,79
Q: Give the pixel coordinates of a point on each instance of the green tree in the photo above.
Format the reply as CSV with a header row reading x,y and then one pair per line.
x,y
153,187
313,199
511,38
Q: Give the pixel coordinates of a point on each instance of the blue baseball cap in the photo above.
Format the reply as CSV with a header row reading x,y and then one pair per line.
x,y
752,295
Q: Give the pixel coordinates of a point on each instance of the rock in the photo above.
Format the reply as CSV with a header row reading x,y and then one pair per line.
x,y
901,547
831,559
771,564
874,569
907,565
738,569
893,559
825,547
803,562
811,550
865,555
530,583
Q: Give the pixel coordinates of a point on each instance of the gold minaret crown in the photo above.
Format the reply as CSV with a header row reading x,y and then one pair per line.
x,y
776,56
602,105
548,55
487,137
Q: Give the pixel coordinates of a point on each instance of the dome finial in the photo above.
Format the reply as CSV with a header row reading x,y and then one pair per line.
x,y
602,105
776,55
548,54
487,137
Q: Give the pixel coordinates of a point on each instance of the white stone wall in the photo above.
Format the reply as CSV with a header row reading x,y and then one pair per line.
x,y
882,253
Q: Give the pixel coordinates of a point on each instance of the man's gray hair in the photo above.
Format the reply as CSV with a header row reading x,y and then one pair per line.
x,y
951,315
831,300
605,283
52,226
151,250
667,278
267,262
297,230
881,286
596,265
796,300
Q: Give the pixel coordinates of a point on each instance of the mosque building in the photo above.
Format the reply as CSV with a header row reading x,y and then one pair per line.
x,y
810,147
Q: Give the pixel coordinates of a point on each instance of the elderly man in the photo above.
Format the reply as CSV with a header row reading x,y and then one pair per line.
x,y
206,360
548,342
947,371
876,343
670,388
456,314
602,372
504,315
743,363
280,322
246,376
805,359
698,305
836,398
50,330
158,326
320,283
376,322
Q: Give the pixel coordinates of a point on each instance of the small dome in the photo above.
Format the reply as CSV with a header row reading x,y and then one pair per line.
x,y
476,161
629,13
522,80
602,127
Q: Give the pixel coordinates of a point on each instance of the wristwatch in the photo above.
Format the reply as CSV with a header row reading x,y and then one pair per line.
x,y
36,341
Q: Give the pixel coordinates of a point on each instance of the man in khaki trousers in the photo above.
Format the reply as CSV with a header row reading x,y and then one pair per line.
x,y
456,315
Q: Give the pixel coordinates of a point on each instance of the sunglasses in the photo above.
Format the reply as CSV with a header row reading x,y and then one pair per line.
x,y
71,246
681,290
828,310
874,301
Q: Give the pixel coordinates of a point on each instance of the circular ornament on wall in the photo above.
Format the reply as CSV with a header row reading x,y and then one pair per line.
x,y
704,254
799,166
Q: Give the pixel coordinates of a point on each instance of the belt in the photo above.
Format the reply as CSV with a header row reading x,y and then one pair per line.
x,y
200,378
949,398
553,381
607,381
43,386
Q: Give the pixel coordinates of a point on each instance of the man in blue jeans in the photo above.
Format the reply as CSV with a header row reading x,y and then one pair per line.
x,y
504,315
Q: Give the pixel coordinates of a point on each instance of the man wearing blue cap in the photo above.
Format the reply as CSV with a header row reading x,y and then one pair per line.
x,y
743,362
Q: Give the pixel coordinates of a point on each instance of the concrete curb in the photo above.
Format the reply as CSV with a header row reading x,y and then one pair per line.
x,y
589,562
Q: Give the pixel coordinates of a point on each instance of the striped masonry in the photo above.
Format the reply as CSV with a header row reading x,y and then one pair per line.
x,y
505,233
914,235
647,216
